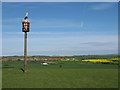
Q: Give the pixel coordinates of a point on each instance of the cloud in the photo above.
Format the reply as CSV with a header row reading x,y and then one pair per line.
x,y
63,33
102,6
82,24
60,42
97,44
44,23
56,23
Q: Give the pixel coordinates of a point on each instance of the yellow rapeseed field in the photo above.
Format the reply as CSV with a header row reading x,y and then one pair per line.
x,y
98,60
101,60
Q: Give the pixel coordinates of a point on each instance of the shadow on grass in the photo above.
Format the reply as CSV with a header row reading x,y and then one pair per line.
x,y
22,69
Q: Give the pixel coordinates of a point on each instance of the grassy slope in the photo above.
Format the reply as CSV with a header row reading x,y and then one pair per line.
x,y
71,75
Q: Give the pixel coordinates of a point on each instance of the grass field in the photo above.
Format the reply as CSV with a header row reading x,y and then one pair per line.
x,y
72,74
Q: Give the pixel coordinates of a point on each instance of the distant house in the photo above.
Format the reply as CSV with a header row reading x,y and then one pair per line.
x,y
45,63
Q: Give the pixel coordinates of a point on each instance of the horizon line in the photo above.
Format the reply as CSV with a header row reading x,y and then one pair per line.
x,y
57,55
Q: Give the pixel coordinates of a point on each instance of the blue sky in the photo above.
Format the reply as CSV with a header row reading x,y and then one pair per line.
x,y
61,28
0,29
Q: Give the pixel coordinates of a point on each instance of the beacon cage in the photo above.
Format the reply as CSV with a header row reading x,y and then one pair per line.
x,y
25,25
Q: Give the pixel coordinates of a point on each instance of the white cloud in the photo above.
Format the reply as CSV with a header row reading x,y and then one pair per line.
x,y
102,6
44,23
76,33
56,23
82,24
64,42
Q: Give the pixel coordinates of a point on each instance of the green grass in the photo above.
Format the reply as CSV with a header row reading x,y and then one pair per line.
x,y
71,75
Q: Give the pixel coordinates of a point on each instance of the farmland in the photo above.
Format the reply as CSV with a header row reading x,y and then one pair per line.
x,y
62,74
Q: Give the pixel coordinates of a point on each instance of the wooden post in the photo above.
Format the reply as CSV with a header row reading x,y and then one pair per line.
x,y
25,52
